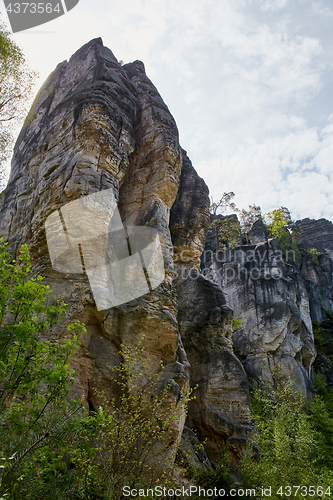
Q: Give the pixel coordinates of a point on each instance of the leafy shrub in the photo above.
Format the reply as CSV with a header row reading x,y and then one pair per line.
x,y
236,322
135,440
219,477
291,446
314,254
35,417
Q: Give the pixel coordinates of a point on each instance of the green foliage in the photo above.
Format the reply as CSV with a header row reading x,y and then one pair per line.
x,y
281,226
323,339
278,223
35,418
314,254
236,322
219,477
50,448
318,332
134,438
16,81
321,414
291,452
223,229
228,231
248,217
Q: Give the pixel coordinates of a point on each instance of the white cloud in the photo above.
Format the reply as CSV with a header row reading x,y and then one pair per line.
x,y
294,171
321,9
241,78
273,5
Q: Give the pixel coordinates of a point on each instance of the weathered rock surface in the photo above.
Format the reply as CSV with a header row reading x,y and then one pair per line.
x,y
317,234
189,217
94,126
191,451
275,338
318,271
258,233
221,410
97,125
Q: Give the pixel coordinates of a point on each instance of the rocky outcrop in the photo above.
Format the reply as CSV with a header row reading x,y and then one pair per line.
x,y
317,267
269,297
221,410
317,234
189,217
99,127
317,273
258,232
96,125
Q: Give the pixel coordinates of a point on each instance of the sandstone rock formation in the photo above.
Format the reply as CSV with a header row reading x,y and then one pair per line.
x,y
318,272
221,410
318,234
275,338
94,126
97,125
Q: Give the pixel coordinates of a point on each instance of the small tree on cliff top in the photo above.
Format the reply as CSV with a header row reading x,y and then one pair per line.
x,y
248,217
221,227
282,227
229,229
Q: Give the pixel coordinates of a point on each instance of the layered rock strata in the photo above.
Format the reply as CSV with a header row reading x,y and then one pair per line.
x,y
94,126
317,268
221,410
97,127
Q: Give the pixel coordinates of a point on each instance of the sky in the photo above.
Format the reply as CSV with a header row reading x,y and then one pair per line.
x,y
249,83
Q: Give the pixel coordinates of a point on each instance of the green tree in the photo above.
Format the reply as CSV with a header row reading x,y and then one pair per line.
x,y
290,447
131,440
321,414
228,231
16,80
224,228
314,254
36,421
248,217
282,227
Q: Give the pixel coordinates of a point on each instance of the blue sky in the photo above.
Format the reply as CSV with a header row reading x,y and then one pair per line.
x,y
249,83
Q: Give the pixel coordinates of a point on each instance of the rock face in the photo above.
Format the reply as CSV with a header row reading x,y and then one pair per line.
x,y
275,338
317,234
95,126
221,410
318,270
